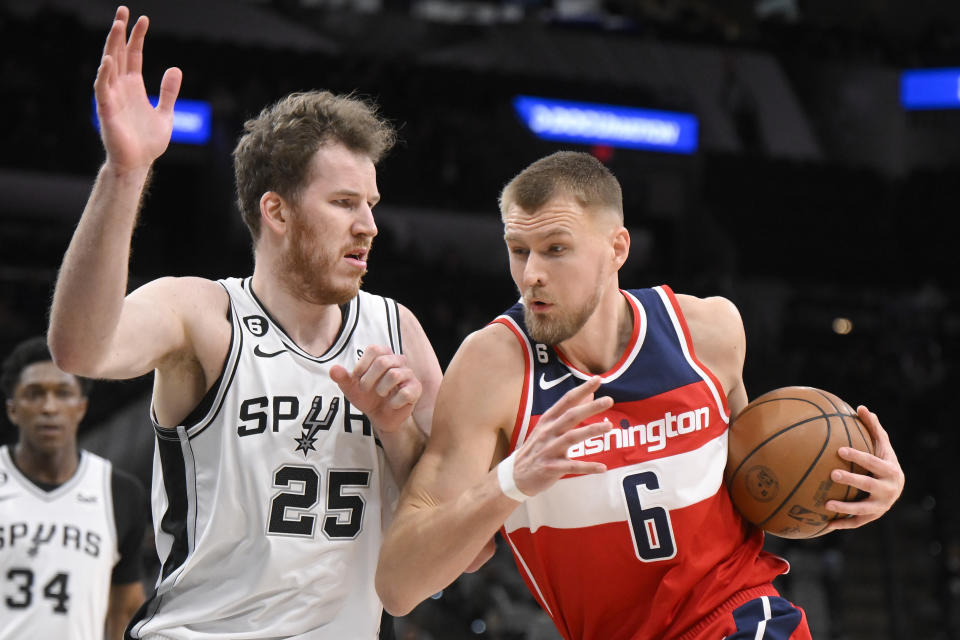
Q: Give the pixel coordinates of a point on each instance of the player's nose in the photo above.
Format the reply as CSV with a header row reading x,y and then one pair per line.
x,y
50,403
364,224
534,272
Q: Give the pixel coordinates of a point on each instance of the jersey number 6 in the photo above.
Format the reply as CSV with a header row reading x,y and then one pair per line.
x,y
291,511
650,526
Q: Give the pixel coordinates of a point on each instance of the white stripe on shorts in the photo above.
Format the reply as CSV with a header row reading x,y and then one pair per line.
x,y
762,627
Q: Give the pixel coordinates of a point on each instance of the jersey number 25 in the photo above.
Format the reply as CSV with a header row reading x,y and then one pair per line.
x,y
291,511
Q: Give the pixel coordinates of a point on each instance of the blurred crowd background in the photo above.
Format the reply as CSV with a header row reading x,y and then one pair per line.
x,y
815,202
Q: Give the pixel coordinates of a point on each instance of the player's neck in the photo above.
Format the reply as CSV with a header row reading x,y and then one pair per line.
x,y
312,326
49,468
600,344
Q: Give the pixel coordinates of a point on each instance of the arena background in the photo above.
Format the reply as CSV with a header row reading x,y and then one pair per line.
x,y
813,196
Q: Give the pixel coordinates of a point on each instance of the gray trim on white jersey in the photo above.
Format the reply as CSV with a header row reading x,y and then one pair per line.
x,y
269,503
57,552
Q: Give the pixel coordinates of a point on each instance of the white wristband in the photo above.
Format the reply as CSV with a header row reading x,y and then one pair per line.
x,y
505,477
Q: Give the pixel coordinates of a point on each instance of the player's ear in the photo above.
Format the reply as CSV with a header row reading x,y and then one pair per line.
x,y
274,212
621,246
11,412
82,408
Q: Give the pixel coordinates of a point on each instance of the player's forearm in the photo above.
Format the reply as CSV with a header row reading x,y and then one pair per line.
x,y
125,599
92,282
429,546
115,627
403,448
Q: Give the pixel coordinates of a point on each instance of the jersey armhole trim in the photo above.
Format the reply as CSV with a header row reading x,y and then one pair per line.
x,y
708,376
107,472
225,380
393,325
522,421
212,401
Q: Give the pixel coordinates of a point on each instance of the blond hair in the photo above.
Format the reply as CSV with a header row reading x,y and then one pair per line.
x,y
565,172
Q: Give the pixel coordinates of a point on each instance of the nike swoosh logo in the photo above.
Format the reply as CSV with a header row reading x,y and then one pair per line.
x,y
544,384
257,351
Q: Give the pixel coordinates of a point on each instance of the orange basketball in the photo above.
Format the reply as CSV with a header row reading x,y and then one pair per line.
x,y
782,448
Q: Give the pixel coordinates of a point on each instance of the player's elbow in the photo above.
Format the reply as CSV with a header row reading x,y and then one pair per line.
x,y
63,351
396,600
69,356
397,607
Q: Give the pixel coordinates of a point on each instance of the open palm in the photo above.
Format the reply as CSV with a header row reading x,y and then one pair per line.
x,y
134,132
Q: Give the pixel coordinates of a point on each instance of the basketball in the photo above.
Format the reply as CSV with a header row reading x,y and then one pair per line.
x,y
782,447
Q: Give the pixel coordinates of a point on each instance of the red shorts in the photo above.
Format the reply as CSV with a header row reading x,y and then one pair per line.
x,y
753,614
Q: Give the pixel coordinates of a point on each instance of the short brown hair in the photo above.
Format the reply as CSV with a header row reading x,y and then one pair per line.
x,y
275,151
579,174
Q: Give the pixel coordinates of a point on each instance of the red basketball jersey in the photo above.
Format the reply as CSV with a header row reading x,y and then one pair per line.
x,y
653,545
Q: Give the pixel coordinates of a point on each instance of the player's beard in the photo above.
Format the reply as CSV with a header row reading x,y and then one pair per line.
x,y
308,265
563,325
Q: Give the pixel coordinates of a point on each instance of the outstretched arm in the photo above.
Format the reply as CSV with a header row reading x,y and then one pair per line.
x,y
92,329
453,504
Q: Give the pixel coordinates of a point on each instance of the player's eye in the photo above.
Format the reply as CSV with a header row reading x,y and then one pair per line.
x,y
34,393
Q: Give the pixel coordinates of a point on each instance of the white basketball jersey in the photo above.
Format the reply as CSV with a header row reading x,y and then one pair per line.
x,y
57,551
268,501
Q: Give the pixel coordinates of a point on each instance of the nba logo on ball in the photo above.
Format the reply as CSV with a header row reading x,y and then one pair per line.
x,y
762,483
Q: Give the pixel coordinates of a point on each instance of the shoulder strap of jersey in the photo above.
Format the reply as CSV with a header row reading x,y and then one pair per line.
x,y
512,319
104,469
675,312
208,407
378,314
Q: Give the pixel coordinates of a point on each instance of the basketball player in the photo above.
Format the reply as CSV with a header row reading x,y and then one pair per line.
x,y
287,405
71,525
619,523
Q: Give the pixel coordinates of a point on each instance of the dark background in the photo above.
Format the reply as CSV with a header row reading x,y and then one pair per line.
x,y
813,196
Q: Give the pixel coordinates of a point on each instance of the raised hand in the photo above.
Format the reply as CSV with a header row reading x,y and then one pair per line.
x,y
884,485
542,459
382,386
134,133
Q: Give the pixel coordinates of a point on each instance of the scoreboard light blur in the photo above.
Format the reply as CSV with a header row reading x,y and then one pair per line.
x,y
591,123
191,120
930,89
